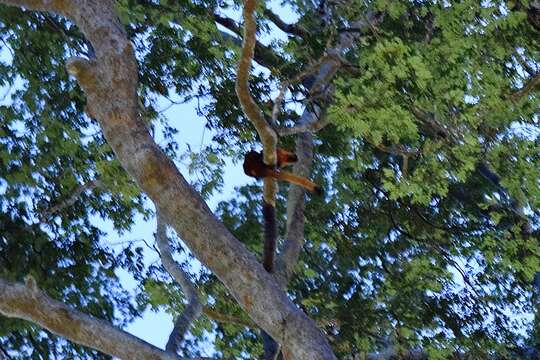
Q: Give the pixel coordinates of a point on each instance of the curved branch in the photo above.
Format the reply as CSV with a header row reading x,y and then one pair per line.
x,y
194,306
110,83
251,109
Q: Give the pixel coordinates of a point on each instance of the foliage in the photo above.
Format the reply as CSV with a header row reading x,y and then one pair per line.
x,y
427,238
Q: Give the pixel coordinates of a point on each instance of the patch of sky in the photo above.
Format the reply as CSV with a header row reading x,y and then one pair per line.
x,y
155,327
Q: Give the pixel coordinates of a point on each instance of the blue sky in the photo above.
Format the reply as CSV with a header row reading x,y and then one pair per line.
x,y
155,327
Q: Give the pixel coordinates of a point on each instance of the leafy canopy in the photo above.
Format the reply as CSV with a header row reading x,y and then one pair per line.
x,y
427,238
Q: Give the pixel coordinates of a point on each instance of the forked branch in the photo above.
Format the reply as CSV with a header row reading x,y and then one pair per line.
x,y
110,83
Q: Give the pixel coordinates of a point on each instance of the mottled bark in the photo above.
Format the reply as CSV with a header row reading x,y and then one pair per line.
x,y
26,301
110,83
252,111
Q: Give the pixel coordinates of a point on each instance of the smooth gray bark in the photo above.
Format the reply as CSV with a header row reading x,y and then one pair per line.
x,y
194,307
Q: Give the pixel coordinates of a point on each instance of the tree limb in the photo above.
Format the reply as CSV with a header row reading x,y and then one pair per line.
x,y
283,26
263,55
392,353
313,126
110,83
26,301
311,117
194,306
530,85
299,128
219,317
251,109
91,185
267,135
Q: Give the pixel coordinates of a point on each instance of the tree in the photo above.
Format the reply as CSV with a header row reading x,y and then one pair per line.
x,y
420,120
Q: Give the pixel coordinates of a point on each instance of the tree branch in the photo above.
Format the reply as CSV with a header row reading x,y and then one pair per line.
x,y
311,117
392,353
75,195
299,128
267,135
194,306
223,318
313,127
263,55
433,126
251,109
4,354
530,85
283,26
110,83
26,301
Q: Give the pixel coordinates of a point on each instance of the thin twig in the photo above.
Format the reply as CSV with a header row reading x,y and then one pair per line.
x,y
223,318
75,195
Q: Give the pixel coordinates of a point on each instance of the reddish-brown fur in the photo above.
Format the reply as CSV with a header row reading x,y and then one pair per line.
x,y
254,166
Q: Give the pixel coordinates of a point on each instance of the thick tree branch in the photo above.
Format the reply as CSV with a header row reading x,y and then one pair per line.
x,y
110,83
194,306
294,236
26,301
